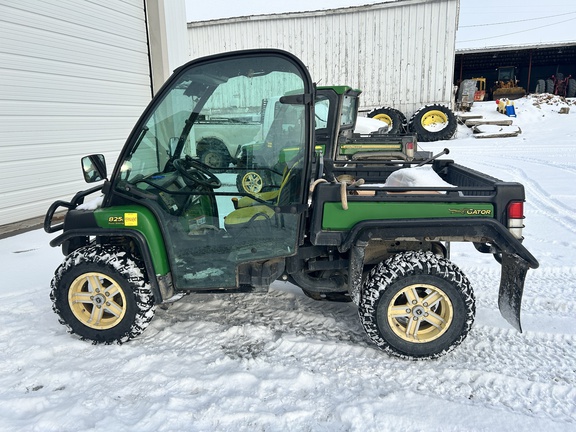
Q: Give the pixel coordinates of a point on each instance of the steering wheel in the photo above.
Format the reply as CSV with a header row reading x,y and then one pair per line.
x,y
197,177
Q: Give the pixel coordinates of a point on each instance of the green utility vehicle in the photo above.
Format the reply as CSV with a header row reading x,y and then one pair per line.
x,y
335,115
341,227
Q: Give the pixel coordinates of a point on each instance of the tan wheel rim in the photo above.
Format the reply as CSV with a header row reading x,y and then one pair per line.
x,y
420,313
97,300
434,119
252,182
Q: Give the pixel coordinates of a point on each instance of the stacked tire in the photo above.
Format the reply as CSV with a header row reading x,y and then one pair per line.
x,y
394,118
431,122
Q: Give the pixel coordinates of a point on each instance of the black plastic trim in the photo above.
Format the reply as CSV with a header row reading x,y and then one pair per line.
x,y
136,235
474,229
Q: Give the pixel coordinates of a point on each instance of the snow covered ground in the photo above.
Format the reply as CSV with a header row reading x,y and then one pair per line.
x,y
283,362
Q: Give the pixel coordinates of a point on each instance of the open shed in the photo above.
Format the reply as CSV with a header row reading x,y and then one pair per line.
x,y
532,62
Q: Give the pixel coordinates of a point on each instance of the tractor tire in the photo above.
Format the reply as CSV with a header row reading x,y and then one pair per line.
x,y
549,86
540,86
102,295
417,305
571,88
395,120
213,152
433,123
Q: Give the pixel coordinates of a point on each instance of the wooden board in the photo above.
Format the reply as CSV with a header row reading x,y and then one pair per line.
x,y
472,123
495,131
464,116
496,135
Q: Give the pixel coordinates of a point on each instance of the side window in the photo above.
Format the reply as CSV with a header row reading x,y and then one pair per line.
x,y
321,110
349,109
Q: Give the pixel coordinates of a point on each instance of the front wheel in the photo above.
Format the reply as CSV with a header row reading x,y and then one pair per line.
x,y
102,295
252,182
417,305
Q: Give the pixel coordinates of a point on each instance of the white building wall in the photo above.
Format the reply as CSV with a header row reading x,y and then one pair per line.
x,y
168,38
400,53
74,78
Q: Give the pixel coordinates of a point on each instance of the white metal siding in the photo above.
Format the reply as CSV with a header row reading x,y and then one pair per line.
x,y
75,76
400,53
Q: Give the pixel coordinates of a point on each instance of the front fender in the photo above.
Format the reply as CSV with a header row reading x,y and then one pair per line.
x,y
159,283
135,222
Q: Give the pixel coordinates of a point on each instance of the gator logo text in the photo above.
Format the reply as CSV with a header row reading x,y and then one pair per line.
x,y
471,212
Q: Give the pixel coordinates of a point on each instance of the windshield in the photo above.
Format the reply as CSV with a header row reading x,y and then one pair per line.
x,y
201,107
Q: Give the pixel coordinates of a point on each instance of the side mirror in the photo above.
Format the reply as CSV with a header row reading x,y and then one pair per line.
x,y
94,168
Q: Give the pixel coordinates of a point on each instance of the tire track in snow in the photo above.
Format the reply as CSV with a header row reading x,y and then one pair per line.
x,y
532,373
467,378
548,291
564,167
539,198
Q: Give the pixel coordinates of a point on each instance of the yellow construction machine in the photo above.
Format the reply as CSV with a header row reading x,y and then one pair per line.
x,y
506,85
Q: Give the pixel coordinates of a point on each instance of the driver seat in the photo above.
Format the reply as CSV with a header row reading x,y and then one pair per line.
x,y
260,216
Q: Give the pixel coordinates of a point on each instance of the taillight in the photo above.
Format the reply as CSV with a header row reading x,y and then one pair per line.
x,y
410,150
516,218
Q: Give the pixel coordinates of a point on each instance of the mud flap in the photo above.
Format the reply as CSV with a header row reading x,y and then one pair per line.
x,y
514,270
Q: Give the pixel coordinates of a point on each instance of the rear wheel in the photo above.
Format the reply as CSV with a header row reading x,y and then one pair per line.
x,y
395,120
571,88
417,305
102,295
540,86
433,123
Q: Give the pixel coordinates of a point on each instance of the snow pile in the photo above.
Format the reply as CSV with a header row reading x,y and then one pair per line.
x,y
423,176
366,125
93,204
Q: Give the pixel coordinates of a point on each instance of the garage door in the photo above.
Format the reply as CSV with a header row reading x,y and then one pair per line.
x,y
75,76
